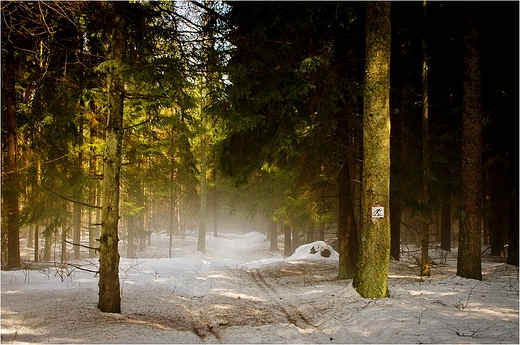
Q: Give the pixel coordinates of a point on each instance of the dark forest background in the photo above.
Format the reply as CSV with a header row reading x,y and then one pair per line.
x,y
252,110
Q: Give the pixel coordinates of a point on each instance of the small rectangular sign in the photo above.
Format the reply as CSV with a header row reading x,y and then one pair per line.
x,y
378,212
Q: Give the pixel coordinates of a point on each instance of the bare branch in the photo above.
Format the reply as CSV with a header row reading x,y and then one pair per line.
x,y
82,245
68,199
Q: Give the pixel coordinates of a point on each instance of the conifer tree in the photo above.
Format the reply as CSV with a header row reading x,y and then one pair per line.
x,y
10,183
371,278
469,253
425,235
109,292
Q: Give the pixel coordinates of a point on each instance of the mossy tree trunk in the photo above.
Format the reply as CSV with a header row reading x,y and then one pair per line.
x,y
469,253
109,293
371,278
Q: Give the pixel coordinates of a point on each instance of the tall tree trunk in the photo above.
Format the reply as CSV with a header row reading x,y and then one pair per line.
x,y
30,237
446,225
287,249
497,204
47,244
109,292
512,252
395,206
131,232
426,221
10,183
93,190
215,203
310,232
396,143
347,228
206,34
173,207
37,225
144,226
78,214
36,242
64,231
295,238
273,236
469,253
201,244
77,230
371,278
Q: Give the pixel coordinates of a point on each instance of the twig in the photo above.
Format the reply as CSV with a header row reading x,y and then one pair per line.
x,y
18,326
96,249
485,250
459,305
81,268
68,199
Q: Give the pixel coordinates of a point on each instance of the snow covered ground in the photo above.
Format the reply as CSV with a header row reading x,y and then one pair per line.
x,y
239,292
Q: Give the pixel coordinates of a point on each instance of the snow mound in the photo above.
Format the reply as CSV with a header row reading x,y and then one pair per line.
x,y
315,250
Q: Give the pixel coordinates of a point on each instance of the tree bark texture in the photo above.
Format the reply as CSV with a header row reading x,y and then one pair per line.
x,y
78,212
310,232
396,145
347,227
512,252
446,225
10,183
371,278
287,248
64,233
215,203
201,244
469,253
109,291
497,204
273,237
37,242
93,190
425,236
295,235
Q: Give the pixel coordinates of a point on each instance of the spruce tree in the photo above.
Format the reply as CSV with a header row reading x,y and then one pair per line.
x,y
371,278
470,238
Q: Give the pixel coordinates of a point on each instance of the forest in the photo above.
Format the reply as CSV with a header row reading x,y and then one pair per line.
x,y
381,128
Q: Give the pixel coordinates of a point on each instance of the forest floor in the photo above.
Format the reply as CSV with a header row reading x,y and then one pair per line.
x,y
239,292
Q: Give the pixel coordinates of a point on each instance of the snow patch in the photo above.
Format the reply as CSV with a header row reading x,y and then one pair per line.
x,y
315,251
240,292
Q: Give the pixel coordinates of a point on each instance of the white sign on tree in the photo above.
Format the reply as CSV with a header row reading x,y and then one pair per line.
x,y
378,212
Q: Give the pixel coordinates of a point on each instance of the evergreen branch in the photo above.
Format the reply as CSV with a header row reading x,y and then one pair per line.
x,y
68,199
